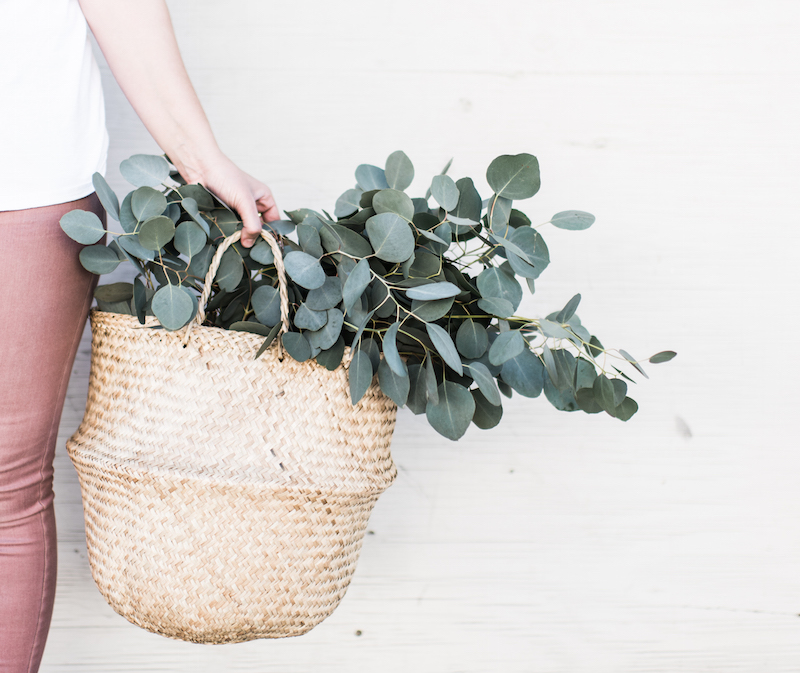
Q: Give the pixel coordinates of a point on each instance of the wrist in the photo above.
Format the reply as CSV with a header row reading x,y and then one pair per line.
x,y
194,162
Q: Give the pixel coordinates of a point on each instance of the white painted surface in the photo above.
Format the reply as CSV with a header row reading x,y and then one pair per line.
x,y
570,543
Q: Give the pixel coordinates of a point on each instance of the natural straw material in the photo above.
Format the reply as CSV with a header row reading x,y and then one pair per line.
x,y
226,498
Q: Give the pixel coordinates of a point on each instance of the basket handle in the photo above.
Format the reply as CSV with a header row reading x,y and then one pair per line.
x,y
212,272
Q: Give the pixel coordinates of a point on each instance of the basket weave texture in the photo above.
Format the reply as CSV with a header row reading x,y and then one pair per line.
x,y
225,498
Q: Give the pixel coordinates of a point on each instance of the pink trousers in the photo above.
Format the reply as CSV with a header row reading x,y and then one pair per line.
x,y
44,299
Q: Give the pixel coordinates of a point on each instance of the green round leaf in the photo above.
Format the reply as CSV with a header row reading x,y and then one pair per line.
x,y
496,306
604,393
445,192
445,346
507,345
494,282
486,415
296,346
141,295
308,237
266,303
203,200
99,259
336,237
356,283
328,295
563,400
663,356
483,377
262,253
250,326
524,373
393,201
626,409
371,177
82,226
471,339
348,203
304,269
585,399
394,386
106,195
431,291
145,170
327,337
514,176
452,414
305,318
147,202
633,361
469,202
114,292
390,237
574,220
417,397
359,374
156,232
189,238
399,171
390,353
566,313
431,311
130,244
173,306
331,358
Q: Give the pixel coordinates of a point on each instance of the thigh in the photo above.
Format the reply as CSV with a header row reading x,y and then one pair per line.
x,y
44,300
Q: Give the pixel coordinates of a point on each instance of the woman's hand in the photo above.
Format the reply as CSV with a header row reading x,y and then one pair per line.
x,y
138,41
251,199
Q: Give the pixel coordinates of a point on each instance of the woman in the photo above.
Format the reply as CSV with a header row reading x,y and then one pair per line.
x,y
52,139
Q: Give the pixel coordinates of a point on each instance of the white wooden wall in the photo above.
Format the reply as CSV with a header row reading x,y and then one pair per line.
x,y
557,542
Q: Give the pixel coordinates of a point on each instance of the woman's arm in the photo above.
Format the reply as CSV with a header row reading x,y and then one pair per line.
x,y
138,41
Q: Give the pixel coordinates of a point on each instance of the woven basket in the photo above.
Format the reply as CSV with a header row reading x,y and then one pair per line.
x,y
225,498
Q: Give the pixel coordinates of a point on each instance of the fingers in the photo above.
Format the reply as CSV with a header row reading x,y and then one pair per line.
x,y
251,223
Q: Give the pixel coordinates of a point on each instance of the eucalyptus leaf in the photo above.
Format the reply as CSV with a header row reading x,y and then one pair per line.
x,y
514,176
262,254
524,373
328,295
445,346
604,393
268,341
359,374
305,318
297,346
399,171
348,203
199,194
574,220
417,396
147,202
156,232
393,201
431,384
82,226
145,170
371,177
494,283
141,296
445,192
370,347
99,259
304,270
309,240
396,387
337,237
634,362
431,291
390,237
469,201
230,271
483,377
173,305
501,308
327,336
452,414
130,244
390,352
486,415
554,330
250,326
471,339
114,292
506,346
190,206
663,356
356,283
566,313
331,358
266,303
106,195
586,401
626,409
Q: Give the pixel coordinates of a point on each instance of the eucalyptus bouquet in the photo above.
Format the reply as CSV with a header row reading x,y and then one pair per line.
x,y
424,295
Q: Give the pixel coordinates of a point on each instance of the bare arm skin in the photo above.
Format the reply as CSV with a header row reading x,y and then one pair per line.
x,y
138,41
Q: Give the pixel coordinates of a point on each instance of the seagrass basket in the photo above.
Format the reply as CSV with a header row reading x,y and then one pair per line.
x,y
225,498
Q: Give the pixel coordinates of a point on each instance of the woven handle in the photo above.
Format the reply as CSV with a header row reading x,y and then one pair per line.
x,y
212,272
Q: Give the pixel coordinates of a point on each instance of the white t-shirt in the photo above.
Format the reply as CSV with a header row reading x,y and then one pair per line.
x,y
52,118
